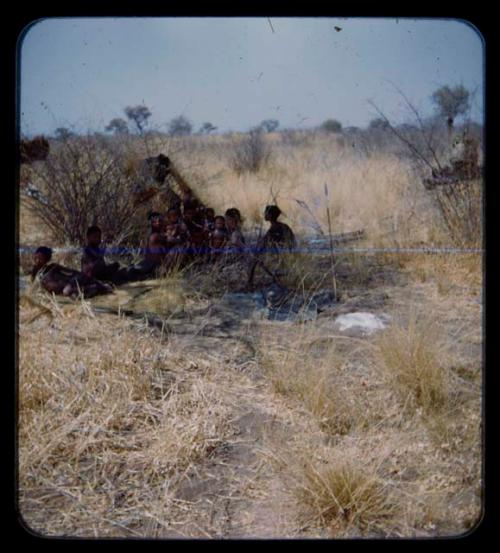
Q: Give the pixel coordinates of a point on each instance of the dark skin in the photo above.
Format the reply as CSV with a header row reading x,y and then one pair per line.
x,y
195,226
278,229
97,268
156,247
157,224
39,261
175,229
63,281
158,242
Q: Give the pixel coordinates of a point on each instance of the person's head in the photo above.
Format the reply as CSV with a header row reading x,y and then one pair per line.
x,y
94,236
233,218
156,221
220,222
41,257
271,213
172,216
191,209
209,213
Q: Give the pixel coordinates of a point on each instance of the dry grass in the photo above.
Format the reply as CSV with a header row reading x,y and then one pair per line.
x,y
109,420
299,371
413,358
114,420
345,493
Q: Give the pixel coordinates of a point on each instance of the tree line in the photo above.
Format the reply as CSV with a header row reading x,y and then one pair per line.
x,y
449,103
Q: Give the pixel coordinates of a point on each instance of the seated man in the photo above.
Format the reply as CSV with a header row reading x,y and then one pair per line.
x,y
64,281
279,235
93,264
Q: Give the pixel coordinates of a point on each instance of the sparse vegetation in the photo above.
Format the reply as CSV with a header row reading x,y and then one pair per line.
x,y
250,153
213,425
82,182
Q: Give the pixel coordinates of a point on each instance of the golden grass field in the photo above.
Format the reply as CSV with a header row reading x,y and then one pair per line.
x,y
275,429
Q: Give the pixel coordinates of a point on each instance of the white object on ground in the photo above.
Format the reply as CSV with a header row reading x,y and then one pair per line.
x,y
361,320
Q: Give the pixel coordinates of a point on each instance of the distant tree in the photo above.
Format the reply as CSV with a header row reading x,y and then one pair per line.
x,y
331,125
62,133
379,123
180,126
138,115
451,102
270,125
117,126
207,128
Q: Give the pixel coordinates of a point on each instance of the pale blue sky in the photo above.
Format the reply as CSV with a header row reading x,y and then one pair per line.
x,y
235,72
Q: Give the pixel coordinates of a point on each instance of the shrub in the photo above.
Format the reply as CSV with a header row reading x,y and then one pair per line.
x,y
83,183
251,153
345,492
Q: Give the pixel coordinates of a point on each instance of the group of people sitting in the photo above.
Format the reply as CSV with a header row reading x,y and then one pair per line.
x,y
194,232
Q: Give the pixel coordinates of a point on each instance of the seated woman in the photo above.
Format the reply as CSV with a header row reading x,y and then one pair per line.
x,y
236,240
61,280
279,235
93,263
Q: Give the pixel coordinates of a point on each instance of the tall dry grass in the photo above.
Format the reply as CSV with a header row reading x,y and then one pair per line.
x,y
109,421
346,493
380,193
416,357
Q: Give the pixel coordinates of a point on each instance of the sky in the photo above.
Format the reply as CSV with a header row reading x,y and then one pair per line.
x,y
236,72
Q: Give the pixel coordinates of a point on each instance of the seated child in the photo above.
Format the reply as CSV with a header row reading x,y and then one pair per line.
x,y
176,237
175,229
219,235
236,240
